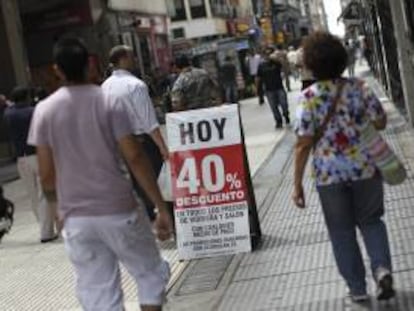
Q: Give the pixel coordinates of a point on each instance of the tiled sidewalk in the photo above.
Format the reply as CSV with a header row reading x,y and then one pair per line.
x,y
38,277
294,268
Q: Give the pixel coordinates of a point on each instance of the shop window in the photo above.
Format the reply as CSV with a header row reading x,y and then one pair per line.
x,y
178,12
219,8
198,8
178,33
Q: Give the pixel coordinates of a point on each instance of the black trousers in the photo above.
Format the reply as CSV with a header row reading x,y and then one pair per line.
x,y
156,160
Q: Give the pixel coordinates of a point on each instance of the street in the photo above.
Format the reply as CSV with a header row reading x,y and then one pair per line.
x,y
85,88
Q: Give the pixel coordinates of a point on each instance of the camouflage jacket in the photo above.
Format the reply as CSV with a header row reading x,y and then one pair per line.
x,y
194,89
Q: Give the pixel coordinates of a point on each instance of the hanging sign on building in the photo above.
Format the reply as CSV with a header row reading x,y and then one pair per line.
x,y
209,182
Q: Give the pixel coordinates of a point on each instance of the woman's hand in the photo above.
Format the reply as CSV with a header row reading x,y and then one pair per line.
x,y
299,197
302,150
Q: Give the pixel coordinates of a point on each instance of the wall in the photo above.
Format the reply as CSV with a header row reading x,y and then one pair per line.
x,y
141,6
7,76
203,27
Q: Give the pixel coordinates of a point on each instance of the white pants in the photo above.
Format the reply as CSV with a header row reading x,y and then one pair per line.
x,y
96,245
29,173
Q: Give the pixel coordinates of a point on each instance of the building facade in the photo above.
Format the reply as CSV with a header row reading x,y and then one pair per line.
x,y
200,21
143,25
316,13
388,30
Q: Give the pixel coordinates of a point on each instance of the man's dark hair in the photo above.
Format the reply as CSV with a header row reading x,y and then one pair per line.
x,y
325,55
20,94
118,52
182,61
71,56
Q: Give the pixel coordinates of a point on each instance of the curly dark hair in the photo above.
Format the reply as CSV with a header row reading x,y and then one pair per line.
x,y
325,55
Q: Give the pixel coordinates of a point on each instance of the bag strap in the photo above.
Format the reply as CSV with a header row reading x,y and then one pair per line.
x,y
331,112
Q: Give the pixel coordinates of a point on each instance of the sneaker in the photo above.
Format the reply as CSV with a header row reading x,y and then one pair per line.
x,y
359,298
385,289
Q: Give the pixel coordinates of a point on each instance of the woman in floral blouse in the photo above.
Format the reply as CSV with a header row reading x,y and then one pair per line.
x,y
330,116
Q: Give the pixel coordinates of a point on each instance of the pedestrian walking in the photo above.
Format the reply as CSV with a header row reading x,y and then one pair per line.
x,y
292,59
368,53
253,60
228,80
132,92
281,56
194,88
18,118
330,116
351,51
270,74
79,132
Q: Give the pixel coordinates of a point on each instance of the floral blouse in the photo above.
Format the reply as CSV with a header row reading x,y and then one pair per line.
x,y
338,155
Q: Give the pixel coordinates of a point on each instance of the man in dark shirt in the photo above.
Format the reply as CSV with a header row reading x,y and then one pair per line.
x,y
18,118
228,80
270,75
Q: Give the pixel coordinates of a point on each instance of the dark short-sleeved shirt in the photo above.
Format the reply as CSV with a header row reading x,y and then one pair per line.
x,y
193,89
18,122
82,127
270,73
228,73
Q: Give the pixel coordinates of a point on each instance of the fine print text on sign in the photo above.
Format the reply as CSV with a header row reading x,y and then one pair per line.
x,y
209,182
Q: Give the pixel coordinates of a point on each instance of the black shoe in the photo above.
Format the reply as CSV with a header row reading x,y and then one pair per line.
x,y
49,239
385,289
279,125
287,119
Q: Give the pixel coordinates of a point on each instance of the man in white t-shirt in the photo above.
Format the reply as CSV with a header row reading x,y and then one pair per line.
x,y
77,132
133,93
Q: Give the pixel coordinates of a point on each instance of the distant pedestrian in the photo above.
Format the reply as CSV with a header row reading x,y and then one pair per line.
x,y
368,53
331,114
80,133
18,118
292,58
270,74
282,57
351,51
133,93
228,80
194,88
253,60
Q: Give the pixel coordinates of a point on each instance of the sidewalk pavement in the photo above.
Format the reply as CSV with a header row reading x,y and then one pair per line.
x,y
38,277
294,268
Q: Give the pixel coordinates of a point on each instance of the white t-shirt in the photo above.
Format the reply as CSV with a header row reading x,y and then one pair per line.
x,y
125,88
254,62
